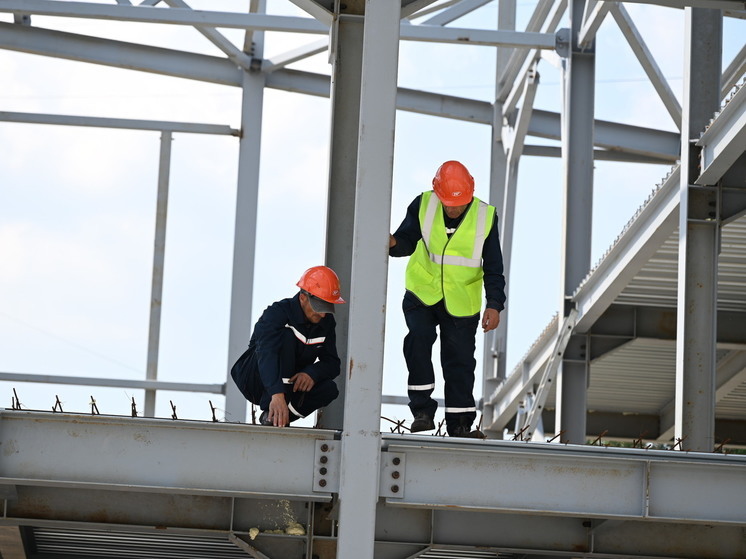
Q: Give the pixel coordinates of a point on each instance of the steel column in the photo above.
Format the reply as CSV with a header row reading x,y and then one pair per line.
x,y
577,152
159,255
347,43
244,245
495,342
359,470
698,239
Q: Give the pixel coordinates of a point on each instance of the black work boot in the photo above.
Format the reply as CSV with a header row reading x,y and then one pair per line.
x,y
462,429
422,422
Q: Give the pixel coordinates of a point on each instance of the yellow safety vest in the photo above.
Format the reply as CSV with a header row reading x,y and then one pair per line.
x,y
450,268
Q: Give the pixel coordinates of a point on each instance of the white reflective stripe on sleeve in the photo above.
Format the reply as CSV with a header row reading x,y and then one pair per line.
x,y
427,225
303,339
459,410
420,386
456,260
292,409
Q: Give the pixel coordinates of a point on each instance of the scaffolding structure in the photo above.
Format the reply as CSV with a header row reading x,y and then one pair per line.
x,y
666,304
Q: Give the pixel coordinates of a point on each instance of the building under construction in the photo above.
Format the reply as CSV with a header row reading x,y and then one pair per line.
x,y
647,348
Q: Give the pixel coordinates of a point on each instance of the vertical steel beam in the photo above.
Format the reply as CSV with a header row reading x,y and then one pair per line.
x,y
159,256
361,438
495,342
577,155
347,43
244,244
698,239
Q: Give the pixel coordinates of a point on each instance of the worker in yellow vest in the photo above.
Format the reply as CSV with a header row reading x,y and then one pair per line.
x,y
453,243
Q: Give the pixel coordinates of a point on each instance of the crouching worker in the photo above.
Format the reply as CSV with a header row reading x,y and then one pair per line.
x,y
289,367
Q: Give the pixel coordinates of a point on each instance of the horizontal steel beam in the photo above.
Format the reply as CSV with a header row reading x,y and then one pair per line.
x,y
544,124
130,124
659,323
265,22
177,16
601,155
115,383
569,480
613,136
160,456
119,54
484,37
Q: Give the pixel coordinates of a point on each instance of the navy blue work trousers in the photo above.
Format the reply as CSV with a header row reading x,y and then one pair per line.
x,y
457,347
301,404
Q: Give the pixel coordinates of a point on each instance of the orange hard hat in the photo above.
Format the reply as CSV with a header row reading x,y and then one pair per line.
x,y
323,283
453,184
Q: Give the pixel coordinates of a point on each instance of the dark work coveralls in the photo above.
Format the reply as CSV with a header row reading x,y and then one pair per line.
x,y
282,344
457,334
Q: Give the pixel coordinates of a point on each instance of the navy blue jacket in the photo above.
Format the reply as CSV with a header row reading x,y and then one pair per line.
x,y
409,233
319,360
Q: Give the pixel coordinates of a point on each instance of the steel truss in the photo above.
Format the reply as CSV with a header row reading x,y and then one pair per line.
x,y
354,492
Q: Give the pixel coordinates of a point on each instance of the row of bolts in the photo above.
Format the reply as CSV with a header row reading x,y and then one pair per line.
x,y
398,428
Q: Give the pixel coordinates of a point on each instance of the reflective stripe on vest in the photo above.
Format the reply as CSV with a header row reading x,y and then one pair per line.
x,y
476,256
450,268
303,339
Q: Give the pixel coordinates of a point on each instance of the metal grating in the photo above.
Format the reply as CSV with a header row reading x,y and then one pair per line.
x,y
49,542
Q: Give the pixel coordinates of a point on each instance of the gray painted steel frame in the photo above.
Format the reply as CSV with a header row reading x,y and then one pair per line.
x,y
699,238
562,492
133,475
358,491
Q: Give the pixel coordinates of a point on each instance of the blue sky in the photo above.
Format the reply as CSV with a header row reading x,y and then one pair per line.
x,y
77,205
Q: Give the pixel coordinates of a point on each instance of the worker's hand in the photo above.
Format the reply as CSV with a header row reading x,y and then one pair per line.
x,y
279,414
392,240
490,319
302,382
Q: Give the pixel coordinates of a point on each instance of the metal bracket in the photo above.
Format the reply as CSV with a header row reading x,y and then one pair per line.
x,y
562,42
392,475
326,467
